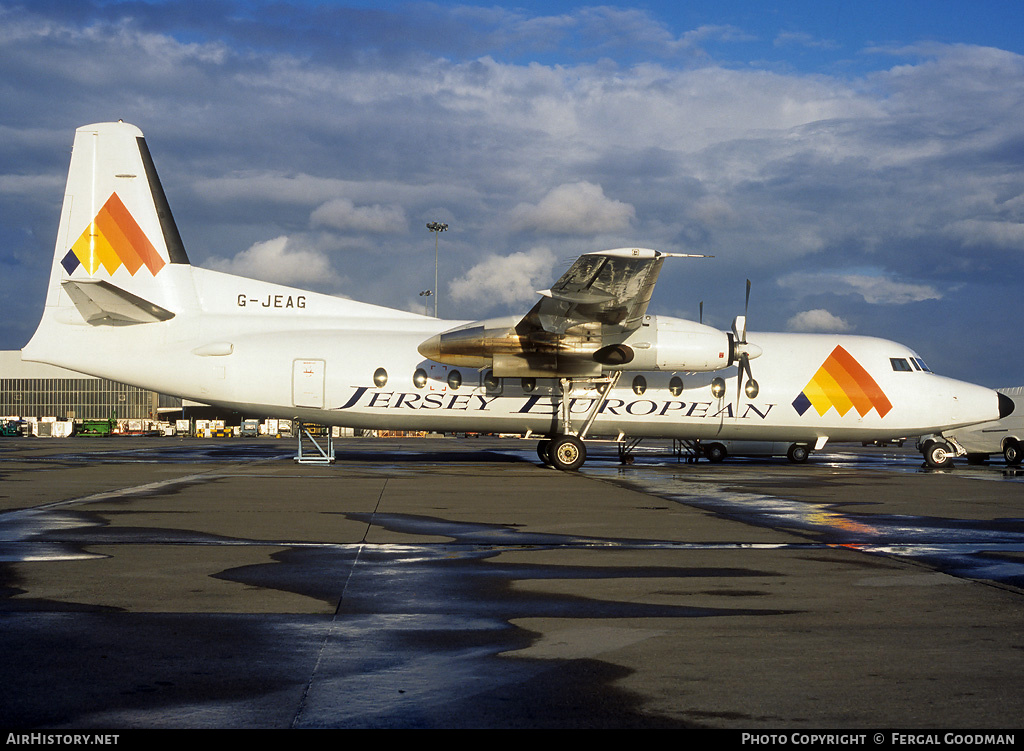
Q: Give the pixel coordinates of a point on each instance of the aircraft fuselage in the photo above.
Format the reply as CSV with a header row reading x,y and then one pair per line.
x,y
299,354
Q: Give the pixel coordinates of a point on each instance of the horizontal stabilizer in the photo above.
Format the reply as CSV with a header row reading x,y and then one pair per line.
x,y
103,304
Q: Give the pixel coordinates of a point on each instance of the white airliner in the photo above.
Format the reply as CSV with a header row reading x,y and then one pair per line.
x,y
124,303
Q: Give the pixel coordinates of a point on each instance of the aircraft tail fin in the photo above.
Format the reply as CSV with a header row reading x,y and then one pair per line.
x,y
119,259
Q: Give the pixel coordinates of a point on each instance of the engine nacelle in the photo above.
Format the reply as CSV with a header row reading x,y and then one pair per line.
x,y
661,343
665,343
474,345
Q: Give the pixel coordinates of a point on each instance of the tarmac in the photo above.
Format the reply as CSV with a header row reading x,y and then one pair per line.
x,y
458,583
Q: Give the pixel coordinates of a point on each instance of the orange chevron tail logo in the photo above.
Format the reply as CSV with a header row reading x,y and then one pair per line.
x,y
113,239
842,382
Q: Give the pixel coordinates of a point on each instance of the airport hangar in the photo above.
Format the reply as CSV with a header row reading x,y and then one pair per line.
x,y
30,389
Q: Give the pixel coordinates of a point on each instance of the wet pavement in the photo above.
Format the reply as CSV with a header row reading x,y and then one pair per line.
x,y
989,548
456,583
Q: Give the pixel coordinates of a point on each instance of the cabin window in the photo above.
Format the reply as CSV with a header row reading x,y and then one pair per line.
x,y
380,378
529,384
900,364
454,380
419,378
675,386
639,385
717,387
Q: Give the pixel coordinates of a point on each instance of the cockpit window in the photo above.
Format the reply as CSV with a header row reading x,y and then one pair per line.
x,y
900,364
924,367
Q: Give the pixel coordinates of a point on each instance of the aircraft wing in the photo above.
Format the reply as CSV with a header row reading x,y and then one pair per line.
x,y
611,288
572,330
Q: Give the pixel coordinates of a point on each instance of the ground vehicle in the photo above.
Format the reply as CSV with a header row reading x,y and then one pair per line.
x,y
716,451
12,427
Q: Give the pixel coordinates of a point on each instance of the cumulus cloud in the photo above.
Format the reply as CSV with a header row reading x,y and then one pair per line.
x,y
1006,233
575,209
818,320
278,260
508,280
342,214
887,291
875,289
40,184
802,39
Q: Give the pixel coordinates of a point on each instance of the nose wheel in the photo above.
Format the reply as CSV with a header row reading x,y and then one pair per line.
x,y
938,454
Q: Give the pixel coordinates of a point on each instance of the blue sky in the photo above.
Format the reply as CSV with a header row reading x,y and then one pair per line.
x,y
859,162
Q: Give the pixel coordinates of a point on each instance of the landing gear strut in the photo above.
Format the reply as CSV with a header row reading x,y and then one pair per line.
x,y
566,451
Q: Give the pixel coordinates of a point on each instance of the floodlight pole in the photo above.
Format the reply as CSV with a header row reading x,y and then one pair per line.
x,y
437,228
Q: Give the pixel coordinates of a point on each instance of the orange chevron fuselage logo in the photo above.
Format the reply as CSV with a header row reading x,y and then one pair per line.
x,y
113,239
842,382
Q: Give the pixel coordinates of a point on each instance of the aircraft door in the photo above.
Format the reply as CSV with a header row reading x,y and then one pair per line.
x,y
308,383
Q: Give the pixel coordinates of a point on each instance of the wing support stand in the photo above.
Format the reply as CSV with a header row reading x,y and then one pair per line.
x,y
626,449
683,450
320,452
686,450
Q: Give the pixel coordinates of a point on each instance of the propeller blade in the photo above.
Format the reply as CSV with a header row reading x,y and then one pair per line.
x,y
739,328
701,312
742,365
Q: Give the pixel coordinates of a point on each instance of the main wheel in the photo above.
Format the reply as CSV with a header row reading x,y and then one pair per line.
x,y
567,452
715,452
938,454
543,448
798,453
1012,453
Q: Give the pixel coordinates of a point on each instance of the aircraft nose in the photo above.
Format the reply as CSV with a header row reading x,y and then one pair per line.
x,y
974,404
1006,406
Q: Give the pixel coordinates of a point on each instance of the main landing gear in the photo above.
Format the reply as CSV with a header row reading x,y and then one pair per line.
x,y
566,450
